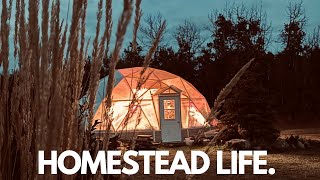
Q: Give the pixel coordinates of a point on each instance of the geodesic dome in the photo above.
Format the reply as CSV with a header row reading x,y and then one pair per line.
x,y
194,107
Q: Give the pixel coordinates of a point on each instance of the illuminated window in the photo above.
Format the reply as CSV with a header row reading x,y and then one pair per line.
x,y
169,109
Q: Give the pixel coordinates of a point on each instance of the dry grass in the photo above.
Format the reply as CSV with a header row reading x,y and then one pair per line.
x,y
138,14
40,101
39,107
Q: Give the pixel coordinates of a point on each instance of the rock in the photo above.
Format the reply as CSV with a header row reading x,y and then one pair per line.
x,y
307,144
300,145
280,144
237,144
293,140
189,141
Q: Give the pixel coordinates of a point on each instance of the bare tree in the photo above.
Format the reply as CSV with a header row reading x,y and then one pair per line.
x,y
150,28
230,11
255,17
296,13
257,14
188,34
292,36
314,38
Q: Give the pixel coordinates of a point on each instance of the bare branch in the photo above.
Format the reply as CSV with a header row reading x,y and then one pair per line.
x,y
150,29
314,38
189,34
296,13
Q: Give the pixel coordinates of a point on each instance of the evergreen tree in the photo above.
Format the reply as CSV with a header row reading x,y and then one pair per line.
x,y
248,111
131,58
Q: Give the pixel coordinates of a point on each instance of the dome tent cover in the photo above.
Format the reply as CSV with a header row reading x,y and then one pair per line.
x,y
194,108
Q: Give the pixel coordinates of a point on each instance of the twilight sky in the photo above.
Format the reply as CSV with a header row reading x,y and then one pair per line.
x,y
176,11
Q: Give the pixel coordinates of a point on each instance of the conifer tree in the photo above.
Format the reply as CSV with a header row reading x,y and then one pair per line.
x,y
248,110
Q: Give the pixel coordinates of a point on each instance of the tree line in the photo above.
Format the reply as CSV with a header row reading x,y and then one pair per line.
x,y
239,34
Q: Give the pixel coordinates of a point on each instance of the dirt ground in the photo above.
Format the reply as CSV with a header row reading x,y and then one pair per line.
x,y
302,164
297,164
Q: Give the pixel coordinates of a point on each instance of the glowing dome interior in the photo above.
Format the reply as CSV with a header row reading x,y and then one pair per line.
x,y
194,107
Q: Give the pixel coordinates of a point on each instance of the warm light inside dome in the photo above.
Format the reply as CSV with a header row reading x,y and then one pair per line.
x,y
194,107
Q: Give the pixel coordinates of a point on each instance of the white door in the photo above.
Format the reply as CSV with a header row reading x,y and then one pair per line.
x,y
170,118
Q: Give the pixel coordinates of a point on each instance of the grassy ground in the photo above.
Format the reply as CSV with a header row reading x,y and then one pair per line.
x,y
298,164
